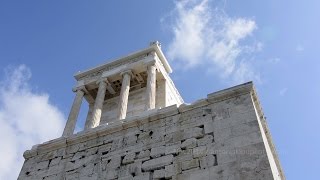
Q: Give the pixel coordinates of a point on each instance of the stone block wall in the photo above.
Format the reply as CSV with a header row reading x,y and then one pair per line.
x,y
220,137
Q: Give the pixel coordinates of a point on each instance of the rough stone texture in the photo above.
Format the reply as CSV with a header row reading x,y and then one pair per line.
x,y
222,137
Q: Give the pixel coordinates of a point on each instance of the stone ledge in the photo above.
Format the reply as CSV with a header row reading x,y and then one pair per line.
x,y
230,92
196,104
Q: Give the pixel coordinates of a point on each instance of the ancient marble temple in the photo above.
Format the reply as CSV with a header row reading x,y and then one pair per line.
x,y
138,127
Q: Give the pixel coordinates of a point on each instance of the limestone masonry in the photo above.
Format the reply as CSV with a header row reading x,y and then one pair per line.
x,y
138,127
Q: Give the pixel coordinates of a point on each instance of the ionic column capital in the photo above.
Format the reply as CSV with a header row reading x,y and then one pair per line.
x,y
107,84
151,63
103,80
129,72
80,88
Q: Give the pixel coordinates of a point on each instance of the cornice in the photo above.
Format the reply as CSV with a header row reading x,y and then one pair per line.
x,y
230,92
131,58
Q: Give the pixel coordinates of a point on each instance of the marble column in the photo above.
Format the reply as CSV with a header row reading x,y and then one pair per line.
x,y
72,119
89,117
151,86
98,104
124,94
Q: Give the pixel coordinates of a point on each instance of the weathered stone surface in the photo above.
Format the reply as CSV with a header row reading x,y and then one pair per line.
x,y
206,140
199,151
208,127
129,158
189,143
207,161
42,165
184,155
158,174
158,151
190,164
172,170
173,148
143,155
200,174
157,163
144,176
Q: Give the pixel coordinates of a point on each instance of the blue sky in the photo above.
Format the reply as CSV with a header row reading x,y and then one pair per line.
x,y
211,45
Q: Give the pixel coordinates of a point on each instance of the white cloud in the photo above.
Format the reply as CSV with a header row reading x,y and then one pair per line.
x,y
206,36
27,118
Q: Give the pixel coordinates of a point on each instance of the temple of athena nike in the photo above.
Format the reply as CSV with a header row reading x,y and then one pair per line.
x,y
138,127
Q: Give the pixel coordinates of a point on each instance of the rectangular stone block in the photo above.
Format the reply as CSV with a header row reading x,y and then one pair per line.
x,y
195,132
157,163
184,155
199,151
185,165
173,148
143,155
157,151
158,174
172,170
208,127
129,158
206,140
189,143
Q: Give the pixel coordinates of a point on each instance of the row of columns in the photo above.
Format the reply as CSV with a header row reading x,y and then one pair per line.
x,y
96,110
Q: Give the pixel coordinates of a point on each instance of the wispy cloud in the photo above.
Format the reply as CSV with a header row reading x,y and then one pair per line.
x,y
208,36
27,118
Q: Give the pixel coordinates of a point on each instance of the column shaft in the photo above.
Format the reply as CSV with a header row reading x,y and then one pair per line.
x,y
151,88
98,104
72,119
124,94
89,117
